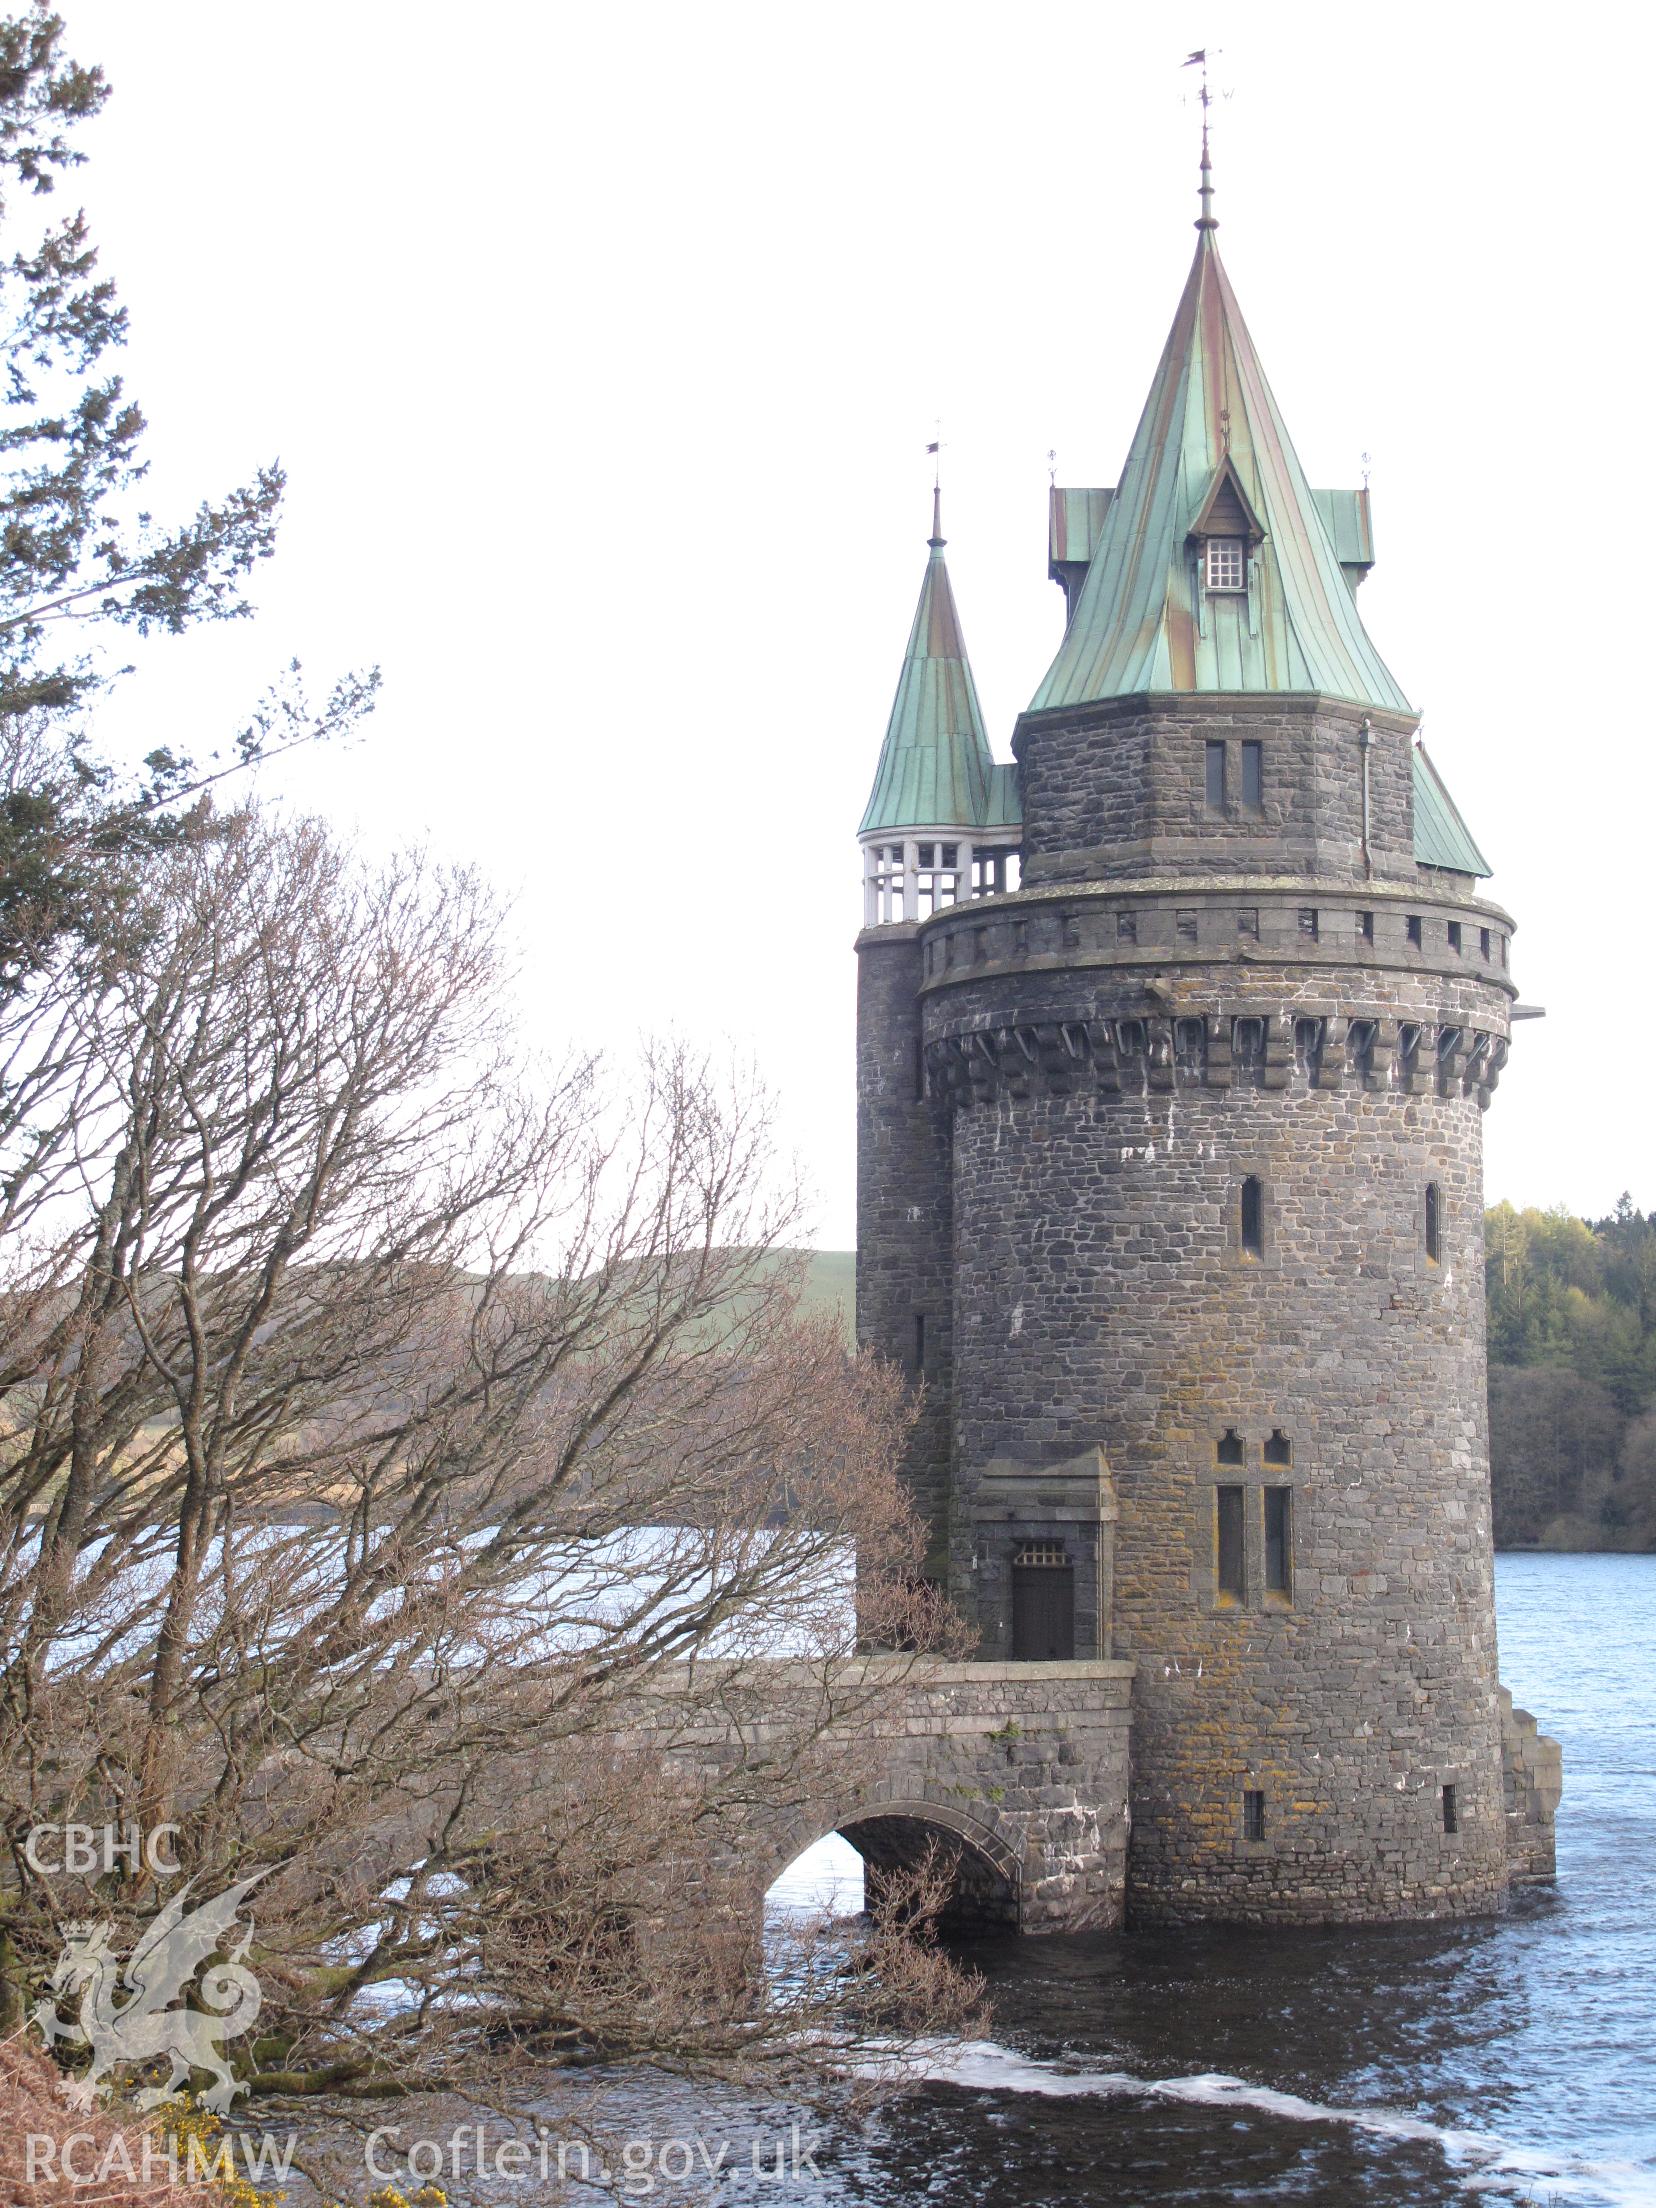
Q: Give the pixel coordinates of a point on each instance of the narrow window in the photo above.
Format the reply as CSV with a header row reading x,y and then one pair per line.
x,y
1451,1811
1279,1449
1230,1446
1360,1037
1414,930
1185,926
1247,920
1253,777
920,1341
1253,1218
1365,927
1253,1815
1228,1510
1225,570
1126,927
1455,936
1279,1510
1483,942
1433,1209
1216,777
1308,921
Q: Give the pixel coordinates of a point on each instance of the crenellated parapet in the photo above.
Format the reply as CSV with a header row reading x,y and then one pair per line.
x,y
1262,1047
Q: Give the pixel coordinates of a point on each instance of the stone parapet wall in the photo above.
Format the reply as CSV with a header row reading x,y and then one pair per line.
x,y
1140,929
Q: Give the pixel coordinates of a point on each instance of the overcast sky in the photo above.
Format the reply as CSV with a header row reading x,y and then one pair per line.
x,y
603,344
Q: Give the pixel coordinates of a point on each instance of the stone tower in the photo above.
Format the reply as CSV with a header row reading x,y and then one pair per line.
x,y
1170,1170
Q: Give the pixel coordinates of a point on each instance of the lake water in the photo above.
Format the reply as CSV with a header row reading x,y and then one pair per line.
x,y
1508,2061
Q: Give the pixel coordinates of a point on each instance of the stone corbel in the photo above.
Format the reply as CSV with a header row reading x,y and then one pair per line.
x,y
1106,1058
1158,1055
1279,1050
1331,1064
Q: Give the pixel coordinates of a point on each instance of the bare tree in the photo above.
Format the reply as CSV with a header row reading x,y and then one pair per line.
x,y
414,1468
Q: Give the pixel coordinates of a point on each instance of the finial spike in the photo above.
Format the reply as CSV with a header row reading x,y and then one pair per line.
x,y
936,451
1207,219
937,514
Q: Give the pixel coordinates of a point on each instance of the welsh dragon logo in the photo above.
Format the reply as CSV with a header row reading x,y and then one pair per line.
x,y
145,2025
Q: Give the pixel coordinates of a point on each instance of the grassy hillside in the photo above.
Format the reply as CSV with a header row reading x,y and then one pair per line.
x,y
831,1278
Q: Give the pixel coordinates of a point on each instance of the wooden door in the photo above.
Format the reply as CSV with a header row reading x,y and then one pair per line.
x,y
1043,1610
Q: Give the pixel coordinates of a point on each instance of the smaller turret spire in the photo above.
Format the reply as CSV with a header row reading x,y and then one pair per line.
x,y
936,771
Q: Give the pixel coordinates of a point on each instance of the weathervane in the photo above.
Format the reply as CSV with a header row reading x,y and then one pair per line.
x,y
935,448
1207,220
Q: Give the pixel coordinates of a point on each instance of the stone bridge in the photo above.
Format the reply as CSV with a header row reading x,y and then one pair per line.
x,y
1024,1766
1020,1770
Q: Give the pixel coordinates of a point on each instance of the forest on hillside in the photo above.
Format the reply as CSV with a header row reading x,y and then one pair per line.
x,y
1572,1377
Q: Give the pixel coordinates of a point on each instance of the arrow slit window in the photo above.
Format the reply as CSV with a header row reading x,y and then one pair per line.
x,y
1227,567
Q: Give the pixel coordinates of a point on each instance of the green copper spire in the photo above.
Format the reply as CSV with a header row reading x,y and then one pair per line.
x,y
1211,460
935,770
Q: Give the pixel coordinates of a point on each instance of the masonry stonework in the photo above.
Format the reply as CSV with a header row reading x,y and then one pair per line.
x,y
1191,1194
903,1196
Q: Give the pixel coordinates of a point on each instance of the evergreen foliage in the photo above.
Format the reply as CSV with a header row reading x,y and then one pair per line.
x,y
1572,1376
82,559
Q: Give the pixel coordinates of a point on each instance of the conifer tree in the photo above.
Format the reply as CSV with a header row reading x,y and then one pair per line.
x,y
83,562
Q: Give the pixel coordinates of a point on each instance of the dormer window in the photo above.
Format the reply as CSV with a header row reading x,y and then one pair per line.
x,y
1227,563
1225,530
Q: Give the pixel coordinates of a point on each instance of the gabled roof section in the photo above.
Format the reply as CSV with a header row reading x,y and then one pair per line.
x,y
1075,521
1349,519
1441,837
1142,622
1225,512
935,769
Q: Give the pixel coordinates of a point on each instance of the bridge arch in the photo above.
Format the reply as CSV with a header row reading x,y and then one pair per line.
x,y
892,1833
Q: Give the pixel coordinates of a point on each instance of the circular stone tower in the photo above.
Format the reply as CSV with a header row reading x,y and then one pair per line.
x,y
1194,1189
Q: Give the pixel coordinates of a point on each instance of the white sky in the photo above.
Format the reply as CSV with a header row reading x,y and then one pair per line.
x,y
603,344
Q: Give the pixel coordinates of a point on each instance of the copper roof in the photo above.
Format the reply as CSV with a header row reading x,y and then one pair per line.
x,y
935,769
1143,622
